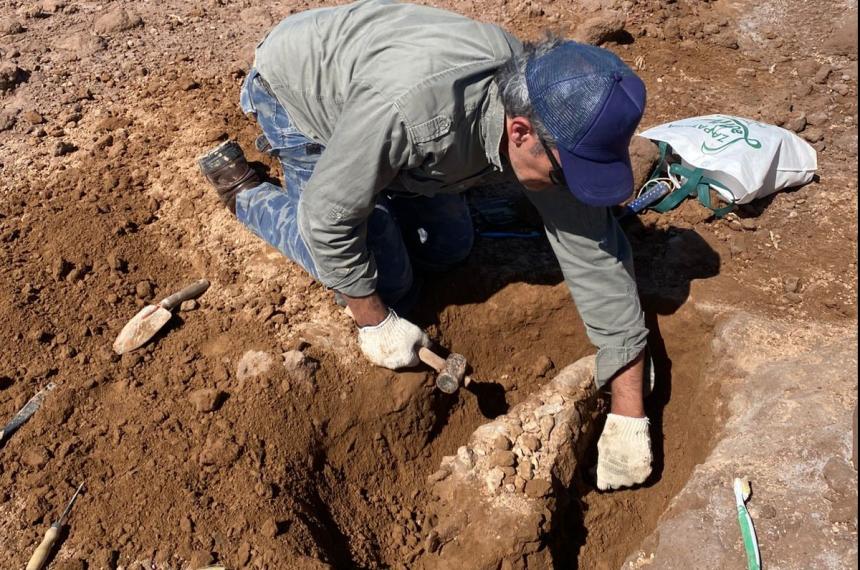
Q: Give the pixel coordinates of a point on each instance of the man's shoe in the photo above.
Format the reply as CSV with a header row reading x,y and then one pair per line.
x,y
227,170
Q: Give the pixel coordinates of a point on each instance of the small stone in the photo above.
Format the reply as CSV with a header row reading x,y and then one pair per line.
x,y
185,525
300,368
33,117
519,484
131,359
546,425
53,6
63,148
116,263
813,135
437,476
749,224
35,457
494,479
39,335
796,124
7,119
116,20
841,88
243,555
817,119
530,442
503,459
745,72
727,40
541,366
219,451
790,284
270,528
802,90
432,542
793,298
501,443
189,305
9,26
525,471
601,28
188,84
76,274
206,399
60,268
822,74
143,289
537,488
201,559
466,456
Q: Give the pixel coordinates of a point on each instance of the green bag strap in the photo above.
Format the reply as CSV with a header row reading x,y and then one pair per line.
x,y
704,195
696,185
689,188
703,191
664,151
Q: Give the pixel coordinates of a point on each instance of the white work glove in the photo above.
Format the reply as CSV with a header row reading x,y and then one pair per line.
x,y
393,343
623,452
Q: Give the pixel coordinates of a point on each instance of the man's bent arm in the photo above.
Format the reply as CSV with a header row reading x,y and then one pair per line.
x,y
597,263
365,152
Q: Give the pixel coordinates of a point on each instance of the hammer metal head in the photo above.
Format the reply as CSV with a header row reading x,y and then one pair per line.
x,y
450,378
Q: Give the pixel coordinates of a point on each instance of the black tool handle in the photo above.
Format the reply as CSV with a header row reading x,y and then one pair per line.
x,y
191,292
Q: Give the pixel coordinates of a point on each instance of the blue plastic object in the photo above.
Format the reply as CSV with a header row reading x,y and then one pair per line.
x,y
650,196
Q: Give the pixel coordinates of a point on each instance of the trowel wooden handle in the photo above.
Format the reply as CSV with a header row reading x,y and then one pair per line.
x,y
41,554
431,359
191,292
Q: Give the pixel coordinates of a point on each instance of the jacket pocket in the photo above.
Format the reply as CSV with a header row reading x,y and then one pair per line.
x,y
427,131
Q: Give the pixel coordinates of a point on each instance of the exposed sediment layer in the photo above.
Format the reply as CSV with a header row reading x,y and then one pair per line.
x,y
494,501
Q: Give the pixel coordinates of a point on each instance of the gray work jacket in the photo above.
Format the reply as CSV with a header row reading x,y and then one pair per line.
x,y
402,97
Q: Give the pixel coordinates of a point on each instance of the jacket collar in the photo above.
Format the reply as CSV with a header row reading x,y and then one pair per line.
x,y
493,125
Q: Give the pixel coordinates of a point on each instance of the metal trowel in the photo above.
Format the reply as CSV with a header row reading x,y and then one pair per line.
x,y
150,319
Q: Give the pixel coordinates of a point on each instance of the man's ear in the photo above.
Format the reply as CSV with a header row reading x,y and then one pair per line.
x,y
520,131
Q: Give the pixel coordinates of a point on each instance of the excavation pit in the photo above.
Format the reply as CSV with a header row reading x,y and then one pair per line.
x,y
517,336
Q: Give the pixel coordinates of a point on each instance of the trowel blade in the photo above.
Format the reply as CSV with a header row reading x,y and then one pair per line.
x,y
141,328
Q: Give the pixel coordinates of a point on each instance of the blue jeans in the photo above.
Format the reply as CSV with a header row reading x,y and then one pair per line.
x,y
403,232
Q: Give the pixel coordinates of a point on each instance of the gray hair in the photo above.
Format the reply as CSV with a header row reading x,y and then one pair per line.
x,y
511,81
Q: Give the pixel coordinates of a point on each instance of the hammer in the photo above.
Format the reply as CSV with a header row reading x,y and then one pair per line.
x,y
452,370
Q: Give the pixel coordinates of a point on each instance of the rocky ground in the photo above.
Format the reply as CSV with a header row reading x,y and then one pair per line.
x,y
253,434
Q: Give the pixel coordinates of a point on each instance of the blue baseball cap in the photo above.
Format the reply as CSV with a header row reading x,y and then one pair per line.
x,y
591,102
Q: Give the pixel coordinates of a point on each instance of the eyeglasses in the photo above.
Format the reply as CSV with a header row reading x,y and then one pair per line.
x,y
556,175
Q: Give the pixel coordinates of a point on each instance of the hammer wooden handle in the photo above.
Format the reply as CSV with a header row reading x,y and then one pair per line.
x,y
431,359
41,554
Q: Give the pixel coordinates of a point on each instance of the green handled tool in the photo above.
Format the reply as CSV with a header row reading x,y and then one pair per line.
x,y
41,554
742,494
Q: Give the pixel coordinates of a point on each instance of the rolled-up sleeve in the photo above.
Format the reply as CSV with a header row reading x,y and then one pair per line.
x,y
597,264
366,150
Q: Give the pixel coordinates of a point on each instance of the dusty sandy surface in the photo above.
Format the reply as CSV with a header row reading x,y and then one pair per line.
x,y
194,450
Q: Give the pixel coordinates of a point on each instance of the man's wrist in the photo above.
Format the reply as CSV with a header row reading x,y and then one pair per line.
x,y
627,390
367,311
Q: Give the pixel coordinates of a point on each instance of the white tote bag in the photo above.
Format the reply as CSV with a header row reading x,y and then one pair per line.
x,y
750,159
